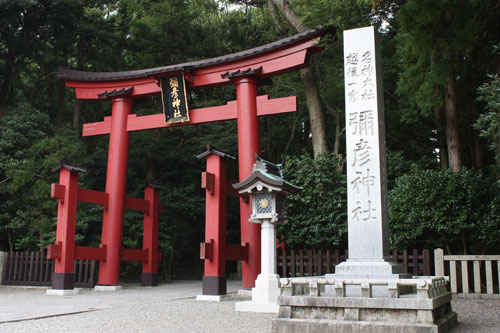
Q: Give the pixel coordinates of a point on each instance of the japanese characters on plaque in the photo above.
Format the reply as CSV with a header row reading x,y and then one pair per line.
x,y
174,99
364,130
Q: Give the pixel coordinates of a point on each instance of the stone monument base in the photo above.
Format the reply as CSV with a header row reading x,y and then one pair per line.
x,y
320,304
368,269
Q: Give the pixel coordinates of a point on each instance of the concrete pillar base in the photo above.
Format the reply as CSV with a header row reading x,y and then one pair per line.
x,y
214,285
149,279
63,281
107,288
62,292
214,298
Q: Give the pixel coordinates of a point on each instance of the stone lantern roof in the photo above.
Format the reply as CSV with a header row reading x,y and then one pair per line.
x,y
266,174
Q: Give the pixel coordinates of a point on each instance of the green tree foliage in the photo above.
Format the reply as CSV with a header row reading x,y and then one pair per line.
x,y
318,215
442,52
488,123
27,154
20,126
458,211
31,182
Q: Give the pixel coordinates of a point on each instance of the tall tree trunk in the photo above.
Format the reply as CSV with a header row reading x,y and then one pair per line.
x,y
278,26
75,123
290,138
11,240
452,131
497,157
151,163
497,150
441,138
440,130
40,238
316,117
476,147
477,152
309,81
61,92
7,82
150,174
289,14
269,139
339,131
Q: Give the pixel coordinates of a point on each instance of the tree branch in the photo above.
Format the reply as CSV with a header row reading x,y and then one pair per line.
x,y
289,14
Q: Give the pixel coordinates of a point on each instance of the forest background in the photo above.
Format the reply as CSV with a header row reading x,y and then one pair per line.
x,y
440,62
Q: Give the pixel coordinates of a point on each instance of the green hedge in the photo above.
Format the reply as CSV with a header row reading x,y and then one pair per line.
x,y
435,208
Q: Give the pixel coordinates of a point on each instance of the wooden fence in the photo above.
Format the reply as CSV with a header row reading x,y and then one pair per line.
x,y
291,263
34,269
471,276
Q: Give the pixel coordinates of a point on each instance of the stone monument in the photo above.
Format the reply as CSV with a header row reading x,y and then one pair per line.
x,y
368,292
368,228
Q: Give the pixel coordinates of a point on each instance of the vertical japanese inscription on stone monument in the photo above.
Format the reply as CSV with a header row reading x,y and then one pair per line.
x,y
365,143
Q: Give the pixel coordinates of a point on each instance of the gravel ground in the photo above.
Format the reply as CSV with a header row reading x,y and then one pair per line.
x,y
476,315
181,315
189,315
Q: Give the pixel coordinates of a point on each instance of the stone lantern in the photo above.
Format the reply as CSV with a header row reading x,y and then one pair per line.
x,y
267,190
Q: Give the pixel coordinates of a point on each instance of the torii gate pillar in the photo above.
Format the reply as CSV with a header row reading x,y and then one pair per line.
x,y
248,146
116,181
215,182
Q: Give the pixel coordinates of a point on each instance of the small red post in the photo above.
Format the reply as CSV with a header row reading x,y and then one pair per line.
x,y
214,278
116,180
64,276
149,275
248,145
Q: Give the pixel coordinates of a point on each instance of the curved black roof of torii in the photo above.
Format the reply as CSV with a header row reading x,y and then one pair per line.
x,y
70,74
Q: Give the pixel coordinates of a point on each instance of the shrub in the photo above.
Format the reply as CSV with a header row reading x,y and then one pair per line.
x,y
435,208
318,214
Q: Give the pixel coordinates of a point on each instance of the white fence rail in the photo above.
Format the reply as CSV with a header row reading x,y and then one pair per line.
x,y
471,276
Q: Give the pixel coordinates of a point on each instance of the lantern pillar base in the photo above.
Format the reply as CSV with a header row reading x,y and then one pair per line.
x,y
264,295
250,306
266,291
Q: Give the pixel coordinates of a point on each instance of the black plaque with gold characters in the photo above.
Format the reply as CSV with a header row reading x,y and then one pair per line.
x,y
174,99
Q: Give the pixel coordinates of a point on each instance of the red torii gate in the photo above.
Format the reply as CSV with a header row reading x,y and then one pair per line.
x,y
243,69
